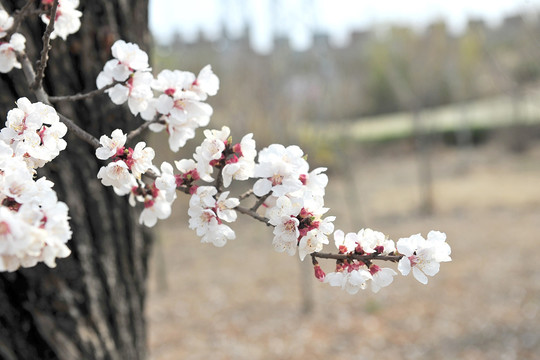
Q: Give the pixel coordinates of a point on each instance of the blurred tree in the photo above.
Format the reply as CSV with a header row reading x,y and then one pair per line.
x,y
469,62
379,88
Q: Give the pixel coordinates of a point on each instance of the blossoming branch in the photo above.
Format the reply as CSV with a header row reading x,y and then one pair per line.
x,y
285,193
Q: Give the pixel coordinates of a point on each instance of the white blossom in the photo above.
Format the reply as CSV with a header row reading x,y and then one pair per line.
x,y
166,181
204,197
224,207
206,215
181,103
172,81
67,20
8,50
284,206
279,169
201,219
381,277
286,234
423,256
207,83
365,241
155,208
34,132
33,223
370,241
141,159
111,146
312,242
244,168
350,281
130,56
211,149
136,92
117,175
218,234
6,22
345,243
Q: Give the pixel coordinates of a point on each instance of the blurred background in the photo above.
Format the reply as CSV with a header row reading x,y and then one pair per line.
x,y
427,116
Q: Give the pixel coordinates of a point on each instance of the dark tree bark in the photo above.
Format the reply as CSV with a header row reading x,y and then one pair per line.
x,y
91,305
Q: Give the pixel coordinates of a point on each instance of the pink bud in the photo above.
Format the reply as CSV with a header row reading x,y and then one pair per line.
x,y
148,203
179,180
237,149
319,273
155,191
233,159
373,269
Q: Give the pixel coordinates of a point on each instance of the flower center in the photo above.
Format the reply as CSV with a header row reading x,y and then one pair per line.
x,y
277,179
413,259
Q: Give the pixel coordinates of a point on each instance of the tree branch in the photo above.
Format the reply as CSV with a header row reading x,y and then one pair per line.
x,y
30,75
82,96
367,257
219,180
42,96
259,202
143,127
80,133
253,214
42,63
18,17
245,195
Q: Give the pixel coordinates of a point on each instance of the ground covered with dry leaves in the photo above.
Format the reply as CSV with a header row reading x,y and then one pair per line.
x,y
245,301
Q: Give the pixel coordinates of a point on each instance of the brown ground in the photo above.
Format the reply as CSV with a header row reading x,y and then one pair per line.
x,y
245,301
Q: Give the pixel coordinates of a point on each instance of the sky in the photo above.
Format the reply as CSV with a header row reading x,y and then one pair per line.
x,y
298,19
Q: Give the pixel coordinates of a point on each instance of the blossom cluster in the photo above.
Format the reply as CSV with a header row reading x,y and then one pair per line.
x,y
34,132
67,20
295,200
130,68
178,103
423,256
235,161
9,47
125,171
33,223
207,214
351,274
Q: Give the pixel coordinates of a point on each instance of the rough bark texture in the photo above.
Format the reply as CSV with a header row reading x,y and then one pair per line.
x,y
91,305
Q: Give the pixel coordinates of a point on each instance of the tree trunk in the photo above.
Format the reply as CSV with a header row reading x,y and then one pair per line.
x,y
91,305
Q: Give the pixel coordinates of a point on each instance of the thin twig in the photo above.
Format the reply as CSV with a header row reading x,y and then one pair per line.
x,y
80,133
42,63
30,75
39,12
253,214
82,96
365,258
259,202
144,126
245,195
219,180
19,17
